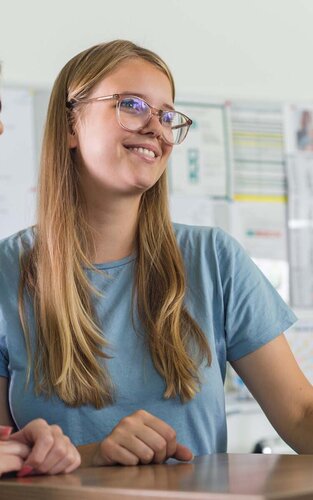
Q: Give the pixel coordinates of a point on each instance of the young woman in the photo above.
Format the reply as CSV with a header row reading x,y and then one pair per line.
x,y
116,324
38,446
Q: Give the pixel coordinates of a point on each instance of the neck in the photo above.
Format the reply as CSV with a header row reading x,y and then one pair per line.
x,y
114,226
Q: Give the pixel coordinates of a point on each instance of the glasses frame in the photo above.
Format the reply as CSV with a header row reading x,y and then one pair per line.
x,y
152,112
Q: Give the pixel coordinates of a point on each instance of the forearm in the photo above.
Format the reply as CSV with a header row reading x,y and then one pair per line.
x,y
283,392
300,437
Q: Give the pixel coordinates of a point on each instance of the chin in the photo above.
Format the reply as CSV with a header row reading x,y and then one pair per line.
x,y
140,186
138,190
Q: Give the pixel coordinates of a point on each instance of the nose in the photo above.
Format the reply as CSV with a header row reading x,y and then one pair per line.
x,y
154,126
1,127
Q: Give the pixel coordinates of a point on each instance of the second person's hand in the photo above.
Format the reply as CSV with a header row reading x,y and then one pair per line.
x,y
12,453
51,451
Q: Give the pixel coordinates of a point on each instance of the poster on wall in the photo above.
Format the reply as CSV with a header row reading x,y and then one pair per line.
x,y
299,150
200,166
261,228
298,129
258,151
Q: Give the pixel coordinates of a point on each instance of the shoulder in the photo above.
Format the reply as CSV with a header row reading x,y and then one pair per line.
x,y
12,246
212,250
207,240
193,234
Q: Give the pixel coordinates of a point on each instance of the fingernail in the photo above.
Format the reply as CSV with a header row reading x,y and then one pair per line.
x,y
5,431
25,471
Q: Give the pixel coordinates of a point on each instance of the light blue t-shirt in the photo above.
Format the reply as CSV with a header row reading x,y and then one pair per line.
x,y
231,300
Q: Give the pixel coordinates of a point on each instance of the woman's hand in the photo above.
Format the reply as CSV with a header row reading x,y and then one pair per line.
x,y
140,438
12,453
51,452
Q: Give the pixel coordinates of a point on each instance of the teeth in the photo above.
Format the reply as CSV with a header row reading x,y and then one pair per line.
x,y
144,151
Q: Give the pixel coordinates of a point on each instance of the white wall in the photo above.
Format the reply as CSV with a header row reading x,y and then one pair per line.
x,y
233,48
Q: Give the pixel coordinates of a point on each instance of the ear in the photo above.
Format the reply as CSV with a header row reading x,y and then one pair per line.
x,y
72,140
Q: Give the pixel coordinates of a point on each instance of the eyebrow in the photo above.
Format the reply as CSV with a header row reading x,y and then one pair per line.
x,y
143,96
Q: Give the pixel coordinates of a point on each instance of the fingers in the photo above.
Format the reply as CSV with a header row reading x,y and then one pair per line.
x,y
32,432
12,456
5,431
10,463
13,448
52,452
134,440
62,458
162,441
113,452
45,440
131,450
183,453
142,438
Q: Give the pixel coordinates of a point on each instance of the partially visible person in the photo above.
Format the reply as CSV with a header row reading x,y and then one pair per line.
x,y
305,132
37,447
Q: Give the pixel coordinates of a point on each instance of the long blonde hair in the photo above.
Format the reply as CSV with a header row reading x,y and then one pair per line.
x,y
70,343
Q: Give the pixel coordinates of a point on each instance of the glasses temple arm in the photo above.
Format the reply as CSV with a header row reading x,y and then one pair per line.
x,y
181,126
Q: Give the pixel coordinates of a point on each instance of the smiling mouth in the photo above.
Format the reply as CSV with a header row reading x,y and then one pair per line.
x,y
143,151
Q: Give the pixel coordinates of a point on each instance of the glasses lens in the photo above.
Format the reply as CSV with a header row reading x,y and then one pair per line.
x,y
175,126
133,113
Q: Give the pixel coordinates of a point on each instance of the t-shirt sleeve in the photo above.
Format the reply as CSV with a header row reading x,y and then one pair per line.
x,y
6,298
4,359
254,311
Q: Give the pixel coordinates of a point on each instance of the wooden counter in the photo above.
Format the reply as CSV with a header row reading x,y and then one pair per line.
x,y
236,476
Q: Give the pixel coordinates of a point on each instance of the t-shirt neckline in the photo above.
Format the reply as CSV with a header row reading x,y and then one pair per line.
x,y
115,263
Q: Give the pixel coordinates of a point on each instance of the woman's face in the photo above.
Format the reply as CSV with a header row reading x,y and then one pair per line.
x,y
112,160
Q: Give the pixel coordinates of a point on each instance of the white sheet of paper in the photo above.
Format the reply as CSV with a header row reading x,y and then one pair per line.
x,y
200,211
261,228
201,165
258,150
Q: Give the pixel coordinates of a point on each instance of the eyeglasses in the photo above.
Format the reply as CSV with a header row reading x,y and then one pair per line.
x,y
134,113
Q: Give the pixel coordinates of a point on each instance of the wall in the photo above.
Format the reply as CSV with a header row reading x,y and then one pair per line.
x,y
236,48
